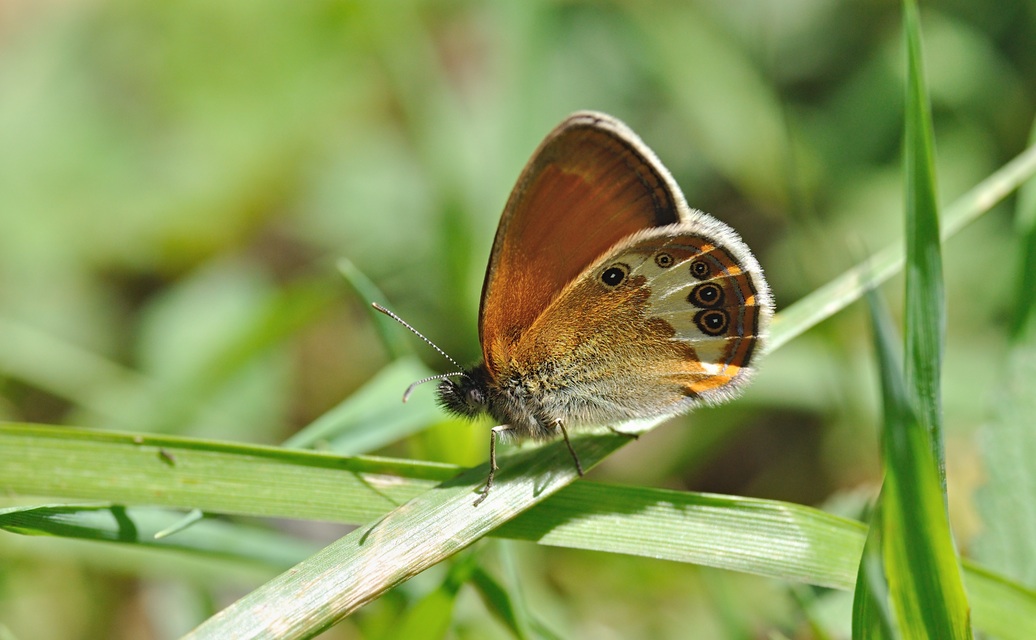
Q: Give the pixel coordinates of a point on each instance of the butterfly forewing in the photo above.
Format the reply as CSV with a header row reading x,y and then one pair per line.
x,y
589,185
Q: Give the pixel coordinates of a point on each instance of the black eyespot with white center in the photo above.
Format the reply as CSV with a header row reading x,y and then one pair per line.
x,y
615,275
700,269
712,322
706,296
664,259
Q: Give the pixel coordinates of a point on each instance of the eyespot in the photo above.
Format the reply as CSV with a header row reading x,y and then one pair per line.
x,y
614,275
707,296
712,322
700,269
663,260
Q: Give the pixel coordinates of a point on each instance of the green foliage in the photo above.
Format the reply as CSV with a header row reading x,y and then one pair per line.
x,y
179,181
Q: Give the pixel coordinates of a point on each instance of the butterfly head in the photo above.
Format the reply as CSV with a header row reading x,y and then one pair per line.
x,y
469,395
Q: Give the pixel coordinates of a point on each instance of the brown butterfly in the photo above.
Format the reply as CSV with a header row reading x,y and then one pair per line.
x,y
606,298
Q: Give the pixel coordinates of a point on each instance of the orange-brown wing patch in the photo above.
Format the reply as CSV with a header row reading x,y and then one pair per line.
x,y
590,184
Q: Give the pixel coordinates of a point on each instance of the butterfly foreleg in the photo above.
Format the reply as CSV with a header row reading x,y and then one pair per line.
x,y
564,432
492,461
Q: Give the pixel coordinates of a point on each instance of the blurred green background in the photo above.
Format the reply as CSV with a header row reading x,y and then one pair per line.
x,y
179,180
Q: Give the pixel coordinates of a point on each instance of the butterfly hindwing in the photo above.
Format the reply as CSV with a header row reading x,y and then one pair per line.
x,y
667,318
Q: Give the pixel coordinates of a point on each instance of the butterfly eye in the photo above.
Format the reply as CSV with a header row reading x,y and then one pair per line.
x,y
664,260
706,295
614,275
475,397
712,322
700,269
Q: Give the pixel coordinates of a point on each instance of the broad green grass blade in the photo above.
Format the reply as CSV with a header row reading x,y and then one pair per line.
x,y
373,416
759,536
782,540
765,537
426,530
925,313
921,563
215,477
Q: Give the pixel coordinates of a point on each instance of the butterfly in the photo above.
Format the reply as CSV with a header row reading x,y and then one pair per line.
x,y
607,298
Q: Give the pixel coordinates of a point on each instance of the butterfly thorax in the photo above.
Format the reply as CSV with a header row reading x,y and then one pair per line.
x,y
513,402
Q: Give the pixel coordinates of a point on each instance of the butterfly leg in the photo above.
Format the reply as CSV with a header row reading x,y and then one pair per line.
x,y
492,462
561,427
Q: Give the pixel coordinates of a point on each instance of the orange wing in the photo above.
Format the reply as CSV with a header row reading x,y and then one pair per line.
x,y
590,183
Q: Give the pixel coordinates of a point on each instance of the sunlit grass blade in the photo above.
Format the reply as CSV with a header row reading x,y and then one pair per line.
x,y
762,537
924,309
216,477
920,561
364,564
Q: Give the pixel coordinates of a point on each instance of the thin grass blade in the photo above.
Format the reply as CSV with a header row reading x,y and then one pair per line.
x,y
921,564
925,313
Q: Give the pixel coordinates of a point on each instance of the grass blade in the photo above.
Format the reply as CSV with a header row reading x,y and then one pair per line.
x,y
925,313
921,563
871,618
763,537
364,564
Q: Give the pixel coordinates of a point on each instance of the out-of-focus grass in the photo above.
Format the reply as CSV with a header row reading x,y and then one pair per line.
x,y
178,181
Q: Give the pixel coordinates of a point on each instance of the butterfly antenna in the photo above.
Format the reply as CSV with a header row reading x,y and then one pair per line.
x,y
414,385
441,376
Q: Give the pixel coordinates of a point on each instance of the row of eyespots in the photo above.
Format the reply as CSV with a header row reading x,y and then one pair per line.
x,y
699,268
706,296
